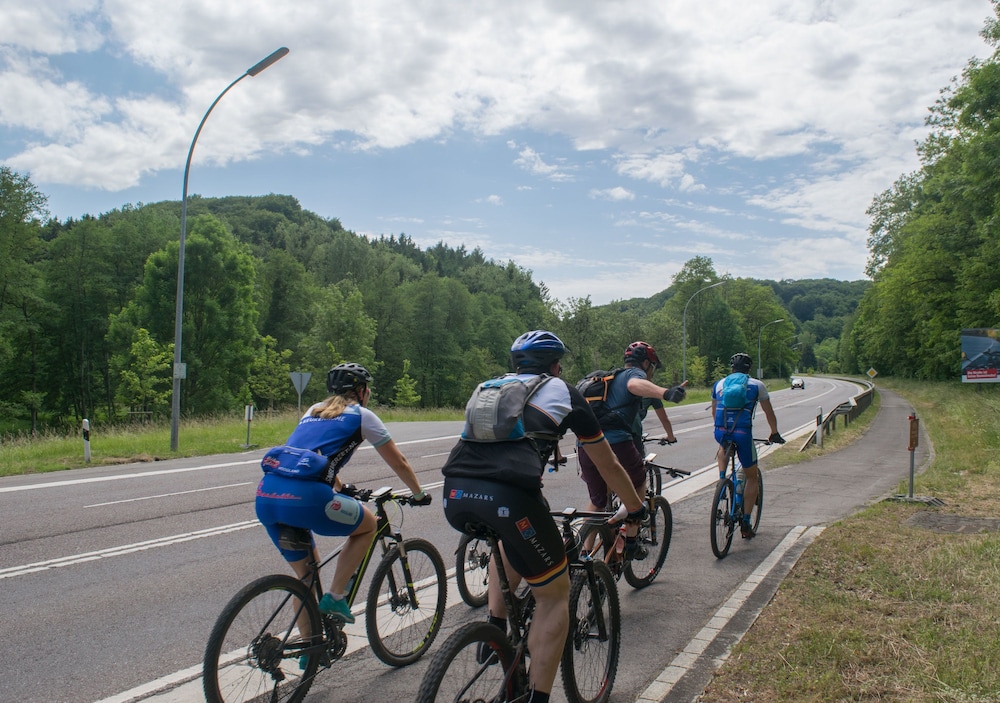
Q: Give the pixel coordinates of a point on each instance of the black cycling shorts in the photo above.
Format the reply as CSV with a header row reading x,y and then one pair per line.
x,y
530,536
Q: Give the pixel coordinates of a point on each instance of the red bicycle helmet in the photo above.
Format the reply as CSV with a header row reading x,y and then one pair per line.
x,y
637,352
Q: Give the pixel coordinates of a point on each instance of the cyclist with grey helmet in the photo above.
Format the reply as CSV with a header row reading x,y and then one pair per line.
x,y
499,484
332,429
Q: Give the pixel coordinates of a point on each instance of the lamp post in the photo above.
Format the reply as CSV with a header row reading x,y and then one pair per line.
x,y
760,371
180,370
684,373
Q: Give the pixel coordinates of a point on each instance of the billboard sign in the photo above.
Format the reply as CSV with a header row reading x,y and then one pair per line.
x,y
980,355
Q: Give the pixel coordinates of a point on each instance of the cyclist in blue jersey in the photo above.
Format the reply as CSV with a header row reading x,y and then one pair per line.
x,y
333,429
736,425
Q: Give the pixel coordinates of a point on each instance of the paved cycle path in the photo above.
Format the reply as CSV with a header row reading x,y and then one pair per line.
x,y
835,486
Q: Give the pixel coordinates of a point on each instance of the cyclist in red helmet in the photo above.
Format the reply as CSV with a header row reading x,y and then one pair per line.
x,y
624,401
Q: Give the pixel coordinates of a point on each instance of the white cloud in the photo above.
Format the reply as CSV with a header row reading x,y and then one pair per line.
x,y
616,194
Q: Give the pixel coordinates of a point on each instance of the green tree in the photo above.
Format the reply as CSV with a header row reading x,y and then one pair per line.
x,y
219,334
146,382
341,331
22,308
269,374
405,390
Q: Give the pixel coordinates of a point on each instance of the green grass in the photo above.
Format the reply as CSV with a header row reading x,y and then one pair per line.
x,y
137,443
877,610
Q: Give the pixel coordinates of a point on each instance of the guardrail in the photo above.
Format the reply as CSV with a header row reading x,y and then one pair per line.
x,y
849,410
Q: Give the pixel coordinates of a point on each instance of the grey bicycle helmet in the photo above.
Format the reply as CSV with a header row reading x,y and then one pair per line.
x,y
346,377
741,362
536,349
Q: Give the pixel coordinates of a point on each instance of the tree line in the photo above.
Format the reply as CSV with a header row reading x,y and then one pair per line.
x,y
87,305
87,312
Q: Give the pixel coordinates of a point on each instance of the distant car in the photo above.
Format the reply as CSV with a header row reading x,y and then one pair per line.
x,y
799,383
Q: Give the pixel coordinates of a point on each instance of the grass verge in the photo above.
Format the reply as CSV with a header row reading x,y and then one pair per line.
x,y
878,610
138,443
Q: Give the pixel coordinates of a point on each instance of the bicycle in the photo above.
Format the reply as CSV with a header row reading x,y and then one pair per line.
x,y
270,640
727,503
607,542
590,655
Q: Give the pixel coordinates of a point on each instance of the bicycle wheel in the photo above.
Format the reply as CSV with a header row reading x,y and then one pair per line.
x,y
456,674
472,570
590,658
254,649
654,540
406,602
723,524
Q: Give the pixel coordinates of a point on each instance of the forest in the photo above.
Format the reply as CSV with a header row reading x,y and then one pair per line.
x,y
87,305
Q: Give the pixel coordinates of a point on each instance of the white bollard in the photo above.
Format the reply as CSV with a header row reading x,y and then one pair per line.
x,y
86,441
819,426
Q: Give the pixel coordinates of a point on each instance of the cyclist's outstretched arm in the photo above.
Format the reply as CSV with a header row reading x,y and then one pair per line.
x,y
772,421
392,456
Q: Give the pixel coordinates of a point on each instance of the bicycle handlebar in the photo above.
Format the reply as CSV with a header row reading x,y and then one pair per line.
x,y
379,495
676,473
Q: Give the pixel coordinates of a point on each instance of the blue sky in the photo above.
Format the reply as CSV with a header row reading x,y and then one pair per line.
x,y
600,144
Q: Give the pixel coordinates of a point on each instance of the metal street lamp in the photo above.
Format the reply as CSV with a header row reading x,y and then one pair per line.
x,y
684,373
180,371
760,372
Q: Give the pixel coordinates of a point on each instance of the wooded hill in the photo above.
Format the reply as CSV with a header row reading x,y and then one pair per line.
x,y
87,312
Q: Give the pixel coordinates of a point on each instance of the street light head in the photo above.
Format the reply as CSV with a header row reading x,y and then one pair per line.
x,y
266,63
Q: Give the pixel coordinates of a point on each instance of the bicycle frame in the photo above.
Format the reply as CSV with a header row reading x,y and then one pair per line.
x,y
381,534
519,612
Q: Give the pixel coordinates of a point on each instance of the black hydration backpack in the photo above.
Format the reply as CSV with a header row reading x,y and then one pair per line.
x,y
595,387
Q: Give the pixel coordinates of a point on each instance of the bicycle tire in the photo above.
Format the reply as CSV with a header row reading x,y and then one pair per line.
x,y
455,674
472,570
655,539
590,657
399,631
247,658
723,524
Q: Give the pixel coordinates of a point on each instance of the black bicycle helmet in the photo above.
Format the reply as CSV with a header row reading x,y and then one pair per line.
x,y
346,377
637,352
536,350
741,362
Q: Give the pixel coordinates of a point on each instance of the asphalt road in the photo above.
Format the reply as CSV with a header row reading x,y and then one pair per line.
x,y
113,576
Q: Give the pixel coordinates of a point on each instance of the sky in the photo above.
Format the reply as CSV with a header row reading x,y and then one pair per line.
x,y
600,144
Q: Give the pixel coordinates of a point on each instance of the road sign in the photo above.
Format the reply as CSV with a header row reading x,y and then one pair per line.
x,y
299,380
872,373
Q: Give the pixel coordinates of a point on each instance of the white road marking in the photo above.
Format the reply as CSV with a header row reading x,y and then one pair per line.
x,y
169,495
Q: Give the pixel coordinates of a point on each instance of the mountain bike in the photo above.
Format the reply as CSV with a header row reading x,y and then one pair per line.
x,y
727,503
271,639
607,542
479,662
